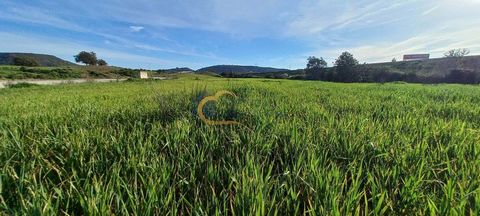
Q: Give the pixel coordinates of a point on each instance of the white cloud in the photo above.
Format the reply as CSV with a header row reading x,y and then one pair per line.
x,y
373,30
319,17
136,28
66,49
35,15
435,43
430,27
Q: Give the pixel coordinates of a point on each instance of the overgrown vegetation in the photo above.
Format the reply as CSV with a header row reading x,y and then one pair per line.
x,y
176,70
462,70
304,148
239,69
25,61
454,69
74,72
21,85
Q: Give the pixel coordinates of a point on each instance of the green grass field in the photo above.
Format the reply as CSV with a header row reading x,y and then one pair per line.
x,y
304,147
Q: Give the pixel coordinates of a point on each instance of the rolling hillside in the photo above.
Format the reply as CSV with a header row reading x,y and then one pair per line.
x,y
239,69
438,66
176,70
42,59
441,70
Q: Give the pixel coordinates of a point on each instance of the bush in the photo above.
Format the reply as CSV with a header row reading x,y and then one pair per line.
x,y
21,85
46,73
25,61
102,62
96,74
127,72
462,76
133,80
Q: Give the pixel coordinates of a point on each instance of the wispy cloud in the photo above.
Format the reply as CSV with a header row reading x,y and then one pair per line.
x,y
318,17
435,42
34,15
429,27
222,31
136,28
429,11
66,49
23,13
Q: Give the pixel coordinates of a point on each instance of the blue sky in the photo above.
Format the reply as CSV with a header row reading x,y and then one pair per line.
x,y
198,33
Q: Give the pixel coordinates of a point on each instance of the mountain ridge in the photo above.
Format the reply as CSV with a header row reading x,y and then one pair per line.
x,y
240,69
45,60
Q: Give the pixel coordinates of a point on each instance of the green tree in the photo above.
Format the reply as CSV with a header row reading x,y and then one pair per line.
x,y
315,67
25,61
88,58
345,67
101,62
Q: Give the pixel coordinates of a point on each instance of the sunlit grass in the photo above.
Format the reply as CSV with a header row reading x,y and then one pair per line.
x,y
303,147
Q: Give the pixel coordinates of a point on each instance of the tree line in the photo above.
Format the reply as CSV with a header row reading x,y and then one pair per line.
x,y
347,69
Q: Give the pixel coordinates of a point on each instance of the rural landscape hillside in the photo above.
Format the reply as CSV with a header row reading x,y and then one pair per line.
x,y
43,59
239,69
182,108
300,146
19,66
437,66
65,72
465,69
429,67
176,70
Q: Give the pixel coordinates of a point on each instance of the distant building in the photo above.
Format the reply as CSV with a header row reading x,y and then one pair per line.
x,y
143,75
416,57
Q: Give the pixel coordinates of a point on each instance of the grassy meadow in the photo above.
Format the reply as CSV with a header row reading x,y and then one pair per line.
x,y
304,147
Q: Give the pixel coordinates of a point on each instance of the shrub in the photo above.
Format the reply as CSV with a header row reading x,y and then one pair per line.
x,y
21,85
102,62
127,72
25,61
462,76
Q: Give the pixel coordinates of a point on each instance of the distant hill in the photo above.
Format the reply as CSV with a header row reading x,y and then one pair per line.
x,y
176,70
238,69
43,60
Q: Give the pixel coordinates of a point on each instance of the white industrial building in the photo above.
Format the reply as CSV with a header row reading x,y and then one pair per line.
x,y
143,75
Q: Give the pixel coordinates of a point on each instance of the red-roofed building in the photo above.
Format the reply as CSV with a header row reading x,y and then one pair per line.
x,y
416,57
